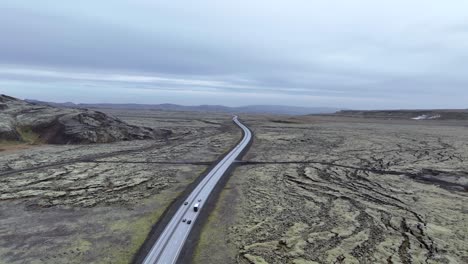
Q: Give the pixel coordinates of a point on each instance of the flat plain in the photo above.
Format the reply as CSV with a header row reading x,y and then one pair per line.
x,y
311,189
327,189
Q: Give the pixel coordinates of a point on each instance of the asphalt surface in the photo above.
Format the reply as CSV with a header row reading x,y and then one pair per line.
x,y
167,248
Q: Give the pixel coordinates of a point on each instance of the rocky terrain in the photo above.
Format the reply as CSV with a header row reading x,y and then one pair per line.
x,y
97,203
33,123
344,190
312,189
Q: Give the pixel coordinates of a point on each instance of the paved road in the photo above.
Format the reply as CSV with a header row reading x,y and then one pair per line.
x,y
168,246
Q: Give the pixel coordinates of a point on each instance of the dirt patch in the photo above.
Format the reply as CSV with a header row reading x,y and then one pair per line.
x,y
10,147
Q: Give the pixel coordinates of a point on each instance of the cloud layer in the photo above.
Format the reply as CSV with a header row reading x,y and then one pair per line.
x,y
354,54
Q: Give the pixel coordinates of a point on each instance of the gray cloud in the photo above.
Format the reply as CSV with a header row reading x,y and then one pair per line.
x,y
363,54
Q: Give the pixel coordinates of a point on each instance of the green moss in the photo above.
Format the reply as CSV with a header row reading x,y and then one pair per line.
x,y
28,135
82,245
137,231
255,259
6,143
213,234
208,236
303,261
79,246
213,230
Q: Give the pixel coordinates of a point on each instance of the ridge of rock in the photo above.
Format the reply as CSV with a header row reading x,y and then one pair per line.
x,y
65,125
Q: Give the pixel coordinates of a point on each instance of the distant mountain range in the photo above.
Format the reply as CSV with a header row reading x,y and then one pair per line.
x,y
254,109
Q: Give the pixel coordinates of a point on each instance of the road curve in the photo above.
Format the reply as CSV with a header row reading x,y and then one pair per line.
x,y
167,248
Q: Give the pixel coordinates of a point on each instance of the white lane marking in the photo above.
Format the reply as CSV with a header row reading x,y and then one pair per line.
x,y
205,186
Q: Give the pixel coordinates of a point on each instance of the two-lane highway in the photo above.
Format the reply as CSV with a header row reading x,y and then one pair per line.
x,y
171,241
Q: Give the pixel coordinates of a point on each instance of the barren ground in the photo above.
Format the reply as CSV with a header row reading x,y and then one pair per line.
x,y
344,190
97,203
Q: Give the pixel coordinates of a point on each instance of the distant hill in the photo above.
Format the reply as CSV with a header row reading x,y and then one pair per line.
x,y
254,109
429,114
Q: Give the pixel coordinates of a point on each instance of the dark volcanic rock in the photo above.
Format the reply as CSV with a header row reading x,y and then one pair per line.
x,y
63,126
7,129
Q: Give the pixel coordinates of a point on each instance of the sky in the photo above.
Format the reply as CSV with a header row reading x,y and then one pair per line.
x,y
360,54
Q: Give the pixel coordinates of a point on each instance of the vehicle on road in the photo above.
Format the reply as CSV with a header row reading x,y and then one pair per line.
x,y
167,248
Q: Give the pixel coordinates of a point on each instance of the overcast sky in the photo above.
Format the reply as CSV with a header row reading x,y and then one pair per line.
x,y
351,54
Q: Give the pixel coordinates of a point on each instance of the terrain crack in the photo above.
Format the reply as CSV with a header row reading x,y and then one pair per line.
x,y
421,176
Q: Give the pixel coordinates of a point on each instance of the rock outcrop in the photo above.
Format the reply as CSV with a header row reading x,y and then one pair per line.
x,y
20,119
